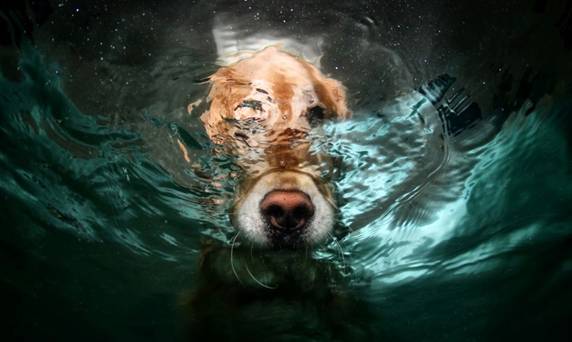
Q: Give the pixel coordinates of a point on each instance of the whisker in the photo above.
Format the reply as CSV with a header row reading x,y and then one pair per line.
x,y
340,249
232,257
254,278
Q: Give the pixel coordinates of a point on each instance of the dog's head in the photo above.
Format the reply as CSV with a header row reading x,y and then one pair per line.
x,y
263,108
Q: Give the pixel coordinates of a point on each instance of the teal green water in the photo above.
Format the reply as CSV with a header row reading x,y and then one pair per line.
x,y
446,241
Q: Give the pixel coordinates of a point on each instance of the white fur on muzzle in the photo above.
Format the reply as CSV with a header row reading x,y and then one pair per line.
x,y
249,221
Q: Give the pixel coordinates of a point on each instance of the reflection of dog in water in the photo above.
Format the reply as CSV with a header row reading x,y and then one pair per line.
x,y
264,107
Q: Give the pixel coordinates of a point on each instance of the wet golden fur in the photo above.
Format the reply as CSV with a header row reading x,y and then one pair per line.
x,y
289,85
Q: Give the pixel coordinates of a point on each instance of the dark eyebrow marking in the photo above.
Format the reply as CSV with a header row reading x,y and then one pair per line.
x,y
262,91
241,135
254,104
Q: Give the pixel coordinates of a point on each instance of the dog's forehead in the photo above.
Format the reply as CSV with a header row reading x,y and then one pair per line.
x,y
276,89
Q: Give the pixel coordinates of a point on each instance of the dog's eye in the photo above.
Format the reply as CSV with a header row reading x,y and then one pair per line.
x,y
315,114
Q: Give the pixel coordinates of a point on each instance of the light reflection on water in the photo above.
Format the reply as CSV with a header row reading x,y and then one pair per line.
x,y
396,251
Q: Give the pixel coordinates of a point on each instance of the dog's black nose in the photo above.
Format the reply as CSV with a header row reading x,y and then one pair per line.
x,y
287,211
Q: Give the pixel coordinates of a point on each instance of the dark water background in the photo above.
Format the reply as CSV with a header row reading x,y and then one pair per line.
x,y
463,239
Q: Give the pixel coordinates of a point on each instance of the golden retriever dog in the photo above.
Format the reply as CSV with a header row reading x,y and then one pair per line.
x,y
262,108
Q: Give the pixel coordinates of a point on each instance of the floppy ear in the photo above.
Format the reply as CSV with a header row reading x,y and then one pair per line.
x,y
331,93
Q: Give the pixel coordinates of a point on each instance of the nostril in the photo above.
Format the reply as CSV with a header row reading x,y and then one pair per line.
x,y
302,212
274,211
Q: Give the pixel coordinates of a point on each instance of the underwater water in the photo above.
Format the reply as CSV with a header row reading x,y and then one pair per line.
x,y
447,231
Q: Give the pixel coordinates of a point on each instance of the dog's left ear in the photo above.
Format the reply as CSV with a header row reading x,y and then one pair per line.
x,y
333,95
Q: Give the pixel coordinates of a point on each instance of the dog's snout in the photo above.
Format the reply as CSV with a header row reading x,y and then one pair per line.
x,y
287,210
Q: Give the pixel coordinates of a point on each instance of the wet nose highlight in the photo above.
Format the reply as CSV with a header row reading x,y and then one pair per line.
x,y
287,209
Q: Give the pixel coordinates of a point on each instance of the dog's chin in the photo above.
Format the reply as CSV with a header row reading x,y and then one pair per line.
x,y
252,226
